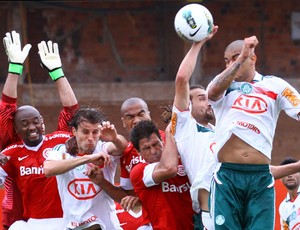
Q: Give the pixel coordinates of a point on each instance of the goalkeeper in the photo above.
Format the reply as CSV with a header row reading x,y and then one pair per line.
x,y
36,202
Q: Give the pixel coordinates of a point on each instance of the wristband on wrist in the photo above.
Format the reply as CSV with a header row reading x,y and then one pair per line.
x,y
15,68
56,74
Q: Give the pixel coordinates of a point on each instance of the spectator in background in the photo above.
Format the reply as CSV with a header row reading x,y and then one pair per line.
x,y
289,209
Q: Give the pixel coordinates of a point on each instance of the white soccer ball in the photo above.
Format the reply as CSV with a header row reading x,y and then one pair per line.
x,y
193,22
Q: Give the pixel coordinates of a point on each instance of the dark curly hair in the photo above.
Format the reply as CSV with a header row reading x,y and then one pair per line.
x,y
167,113
143,129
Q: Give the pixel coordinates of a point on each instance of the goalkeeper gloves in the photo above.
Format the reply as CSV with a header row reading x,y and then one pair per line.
x,y
50,59
16,56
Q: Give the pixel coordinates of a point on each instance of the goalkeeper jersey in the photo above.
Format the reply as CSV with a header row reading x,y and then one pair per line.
x,y
39,194
12,203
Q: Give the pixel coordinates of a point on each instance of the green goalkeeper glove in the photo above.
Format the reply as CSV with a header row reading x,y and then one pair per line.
x,y
16,56
50,59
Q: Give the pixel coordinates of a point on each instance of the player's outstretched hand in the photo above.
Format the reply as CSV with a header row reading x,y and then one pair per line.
x,y
50,59
108,132
16,55
99,159
12,46
95,174
49,55
129,202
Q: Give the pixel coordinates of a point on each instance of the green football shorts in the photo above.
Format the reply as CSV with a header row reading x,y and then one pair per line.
x,y
242,197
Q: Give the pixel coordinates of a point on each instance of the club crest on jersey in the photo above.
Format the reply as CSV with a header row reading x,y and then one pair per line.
x,y
83,189
246,88
181,171
46,152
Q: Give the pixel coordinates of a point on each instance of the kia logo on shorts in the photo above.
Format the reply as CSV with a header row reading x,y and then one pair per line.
x,y
83,189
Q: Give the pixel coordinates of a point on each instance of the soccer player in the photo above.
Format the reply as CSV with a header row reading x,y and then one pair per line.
x,y
194,133
133,110
161,182
247,105
85,204
38,197
289,207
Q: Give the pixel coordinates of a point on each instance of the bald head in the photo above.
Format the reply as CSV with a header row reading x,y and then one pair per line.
x,y
133,101
236,45
24,111
134,110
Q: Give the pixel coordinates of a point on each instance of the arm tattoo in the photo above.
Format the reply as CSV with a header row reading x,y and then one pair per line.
x,y
225,79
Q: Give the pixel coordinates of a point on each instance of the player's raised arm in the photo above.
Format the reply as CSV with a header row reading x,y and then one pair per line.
x,y
222,81
185,71
50,59
16,57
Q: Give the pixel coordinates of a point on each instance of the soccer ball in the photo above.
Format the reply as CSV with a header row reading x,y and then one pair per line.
x,y
193,22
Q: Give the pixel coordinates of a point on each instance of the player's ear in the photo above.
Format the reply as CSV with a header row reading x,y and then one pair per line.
x,y
253,58
73,131
122,119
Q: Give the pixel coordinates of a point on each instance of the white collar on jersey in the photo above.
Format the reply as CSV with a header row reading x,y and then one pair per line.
x,y
288,195
35,148
257,77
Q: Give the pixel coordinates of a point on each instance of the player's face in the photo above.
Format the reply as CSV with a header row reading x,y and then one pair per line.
x,y
242,74
201,109
87,136
29,125
291,181
133,114
151,148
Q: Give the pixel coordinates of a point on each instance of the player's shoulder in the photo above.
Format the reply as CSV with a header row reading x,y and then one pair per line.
x,y
272,79
13,148
138,169
58,135
129,150
284,203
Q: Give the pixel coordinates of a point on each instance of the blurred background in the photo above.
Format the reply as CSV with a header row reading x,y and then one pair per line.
x,y
113,50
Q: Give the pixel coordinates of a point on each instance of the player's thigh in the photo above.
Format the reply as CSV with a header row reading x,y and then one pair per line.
x,y
259,213
226,208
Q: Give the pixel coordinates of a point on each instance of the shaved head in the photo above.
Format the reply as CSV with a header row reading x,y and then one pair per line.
x,y
134,110
235,45
24,111
133,101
